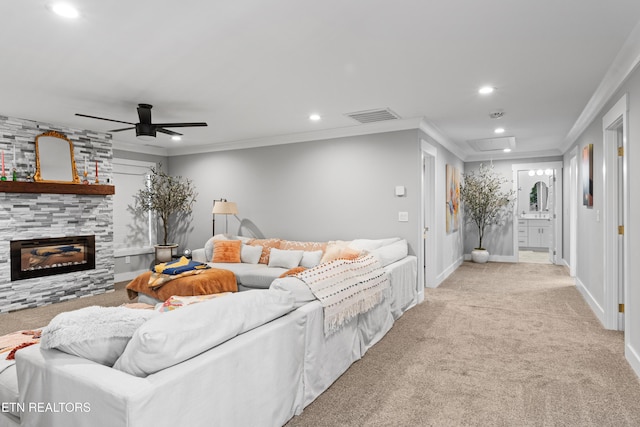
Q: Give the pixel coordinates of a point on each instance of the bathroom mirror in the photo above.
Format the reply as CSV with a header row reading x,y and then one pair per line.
x,y
54,159
538,197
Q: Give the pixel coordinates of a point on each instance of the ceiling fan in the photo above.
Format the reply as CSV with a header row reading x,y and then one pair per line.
x,y
145,127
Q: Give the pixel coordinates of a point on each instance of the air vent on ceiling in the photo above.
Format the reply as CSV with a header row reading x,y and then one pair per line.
x,y
493,144
371,116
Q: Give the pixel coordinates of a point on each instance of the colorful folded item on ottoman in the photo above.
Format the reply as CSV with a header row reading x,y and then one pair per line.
x,y
205,282
179,266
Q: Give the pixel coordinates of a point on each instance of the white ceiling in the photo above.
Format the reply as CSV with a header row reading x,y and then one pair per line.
x,y
255,70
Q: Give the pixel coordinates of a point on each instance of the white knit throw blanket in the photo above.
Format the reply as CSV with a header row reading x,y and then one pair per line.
x,y
346,288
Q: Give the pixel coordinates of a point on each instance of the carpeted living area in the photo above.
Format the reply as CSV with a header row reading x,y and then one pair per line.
x,y
495,345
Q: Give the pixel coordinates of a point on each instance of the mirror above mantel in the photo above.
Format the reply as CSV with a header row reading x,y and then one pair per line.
x,y
55,162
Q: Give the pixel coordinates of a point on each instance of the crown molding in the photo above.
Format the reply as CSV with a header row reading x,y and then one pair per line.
x,y
434,132
140,148
623,65
366,129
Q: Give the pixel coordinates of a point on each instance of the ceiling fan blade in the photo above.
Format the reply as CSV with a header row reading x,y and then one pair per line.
x,y
120,130
168,132
144,113
180,125
102,118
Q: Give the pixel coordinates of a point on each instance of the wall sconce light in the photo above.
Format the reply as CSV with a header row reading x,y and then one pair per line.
x,y
223,207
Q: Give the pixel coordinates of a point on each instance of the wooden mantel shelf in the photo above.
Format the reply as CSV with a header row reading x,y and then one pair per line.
x,y
55,188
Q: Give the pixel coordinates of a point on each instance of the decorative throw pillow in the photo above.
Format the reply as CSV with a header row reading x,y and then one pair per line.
x,y
174,302
292,271
333,251
349,253
311,258
267,245
95,333
226,251
284,259
250,254
303,246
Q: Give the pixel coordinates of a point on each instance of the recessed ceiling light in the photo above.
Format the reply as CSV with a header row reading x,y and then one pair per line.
x,y
498,130
314,117
485,90
176,138
507,150
65,9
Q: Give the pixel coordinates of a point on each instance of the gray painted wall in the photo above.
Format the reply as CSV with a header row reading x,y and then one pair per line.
x,y
590,228
320,190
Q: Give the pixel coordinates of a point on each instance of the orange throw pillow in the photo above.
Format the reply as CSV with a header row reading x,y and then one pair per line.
x,y
294,270
226,250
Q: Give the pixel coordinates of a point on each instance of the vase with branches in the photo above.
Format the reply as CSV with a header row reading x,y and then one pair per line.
x,y
165,195
484,200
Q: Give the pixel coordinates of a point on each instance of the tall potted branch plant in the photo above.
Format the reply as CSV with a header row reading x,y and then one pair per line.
x,y
165,195
485,203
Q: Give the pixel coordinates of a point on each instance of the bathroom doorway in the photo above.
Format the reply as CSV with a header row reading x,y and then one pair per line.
x,y
538,224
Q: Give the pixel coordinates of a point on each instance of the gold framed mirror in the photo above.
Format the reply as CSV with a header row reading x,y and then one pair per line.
x,y
54,159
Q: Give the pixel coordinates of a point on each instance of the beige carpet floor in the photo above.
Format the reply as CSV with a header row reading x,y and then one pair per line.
x,y
495,345
37,317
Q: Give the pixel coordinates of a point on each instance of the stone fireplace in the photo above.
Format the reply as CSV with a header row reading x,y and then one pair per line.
x,y
51,215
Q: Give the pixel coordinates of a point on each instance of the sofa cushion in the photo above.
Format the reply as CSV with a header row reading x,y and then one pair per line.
x,y
226,251
178,335
9,386
391,253
371,244
259,278
250,254
267,245
297,287
284,258
95,333
311,258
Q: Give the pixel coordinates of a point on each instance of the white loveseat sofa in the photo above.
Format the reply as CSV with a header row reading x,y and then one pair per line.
x,y
262,374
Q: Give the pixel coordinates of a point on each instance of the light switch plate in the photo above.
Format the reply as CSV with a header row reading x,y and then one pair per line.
x,y
400,190
403,216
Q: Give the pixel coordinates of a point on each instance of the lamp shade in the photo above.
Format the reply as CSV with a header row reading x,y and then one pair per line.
x,y
224,208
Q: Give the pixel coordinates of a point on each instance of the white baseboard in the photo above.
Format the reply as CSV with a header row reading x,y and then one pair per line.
x,y
448,271
633,358
129,275
595,306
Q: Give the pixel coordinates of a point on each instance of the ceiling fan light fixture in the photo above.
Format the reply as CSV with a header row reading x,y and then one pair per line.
x,y
176,138
498,130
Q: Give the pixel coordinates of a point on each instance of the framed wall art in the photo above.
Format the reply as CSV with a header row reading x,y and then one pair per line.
x,y
587,176
453,199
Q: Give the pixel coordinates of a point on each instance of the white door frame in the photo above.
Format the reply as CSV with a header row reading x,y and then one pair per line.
x,y
616,117
573,211
558,204
427,276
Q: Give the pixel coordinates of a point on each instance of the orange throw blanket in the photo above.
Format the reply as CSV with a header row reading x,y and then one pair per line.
x,y
210,281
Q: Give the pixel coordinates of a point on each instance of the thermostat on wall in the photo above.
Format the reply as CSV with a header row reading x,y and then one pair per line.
x,y
400,190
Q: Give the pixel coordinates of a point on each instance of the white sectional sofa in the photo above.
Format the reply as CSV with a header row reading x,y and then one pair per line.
x,y
258,371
